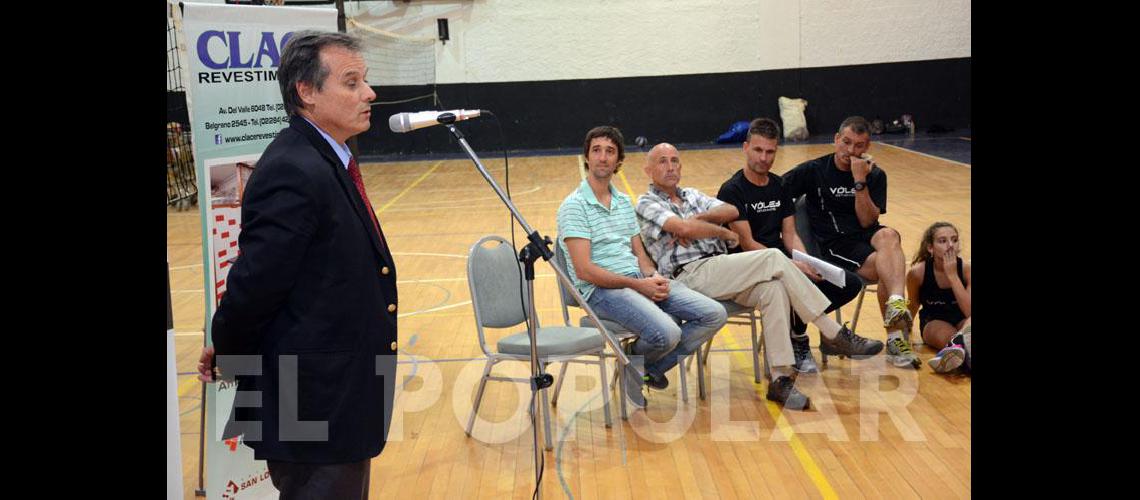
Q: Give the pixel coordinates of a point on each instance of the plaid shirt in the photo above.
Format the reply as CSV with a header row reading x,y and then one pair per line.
x,y
654,208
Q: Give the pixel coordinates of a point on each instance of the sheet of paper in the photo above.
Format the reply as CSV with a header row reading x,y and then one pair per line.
x,y
829,271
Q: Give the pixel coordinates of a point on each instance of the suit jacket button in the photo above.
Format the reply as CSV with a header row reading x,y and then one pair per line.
x,y
391,308
393,345
384,270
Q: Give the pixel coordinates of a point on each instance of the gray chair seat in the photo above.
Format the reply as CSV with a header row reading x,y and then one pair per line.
x,y
553,341
614,327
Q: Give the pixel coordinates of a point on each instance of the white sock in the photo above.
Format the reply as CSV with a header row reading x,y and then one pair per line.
x,y
894,334
827,326
894,297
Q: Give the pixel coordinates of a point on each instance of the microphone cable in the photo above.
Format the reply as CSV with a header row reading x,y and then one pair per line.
x,y
522,296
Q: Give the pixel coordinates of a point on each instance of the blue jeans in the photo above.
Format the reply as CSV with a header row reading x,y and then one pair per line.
x,y
660,340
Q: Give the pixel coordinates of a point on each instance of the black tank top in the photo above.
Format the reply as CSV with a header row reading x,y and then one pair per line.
x,y
939,300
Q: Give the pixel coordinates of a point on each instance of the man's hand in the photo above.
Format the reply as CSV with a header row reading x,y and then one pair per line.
x,y
206,365
685,242
808,270
655,287
860,168
730,238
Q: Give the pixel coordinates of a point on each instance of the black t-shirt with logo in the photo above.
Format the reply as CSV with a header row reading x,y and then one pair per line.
x,y
831,195
764,207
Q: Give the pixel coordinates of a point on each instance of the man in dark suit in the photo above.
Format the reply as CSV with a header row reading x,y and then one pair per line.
x,y
307,325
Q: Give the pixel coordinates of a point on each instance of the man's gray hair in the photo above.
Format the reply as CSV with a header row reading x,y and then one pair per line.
x,y
858,124
301,62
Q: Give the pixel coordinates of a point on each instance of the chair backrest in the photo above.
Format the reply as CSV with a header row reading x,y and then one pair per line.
x,y
494,276
564,294
803,227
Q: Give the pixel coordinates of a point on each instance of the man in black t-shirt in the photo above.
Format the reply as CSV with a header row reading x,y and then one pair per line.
x,y
846,192
767,220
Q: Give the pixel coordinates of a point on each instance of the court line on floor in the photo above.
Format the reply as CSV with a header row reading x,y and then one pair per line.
x,y
440,308
628,189
810,467
967,165
409,188
429,254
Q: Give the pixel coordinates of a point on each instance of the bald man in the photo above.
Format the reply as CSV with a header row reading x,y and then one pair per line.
x,y
683,233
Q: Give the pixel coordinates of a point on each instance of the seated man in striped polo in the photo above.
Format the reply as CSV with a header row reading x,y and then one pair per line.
x,y
598,231
682,231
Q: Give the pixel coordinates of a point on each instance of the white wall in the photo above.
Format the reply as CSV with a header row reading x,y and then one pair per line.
x,y
525,40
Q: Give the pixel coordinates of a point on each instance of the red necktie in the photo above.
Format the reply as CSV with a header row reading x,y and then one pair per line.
x,y
354,172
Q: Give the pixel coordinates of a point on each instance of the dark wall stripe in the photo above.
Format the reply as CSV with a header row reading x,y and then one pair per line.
x,y
679,108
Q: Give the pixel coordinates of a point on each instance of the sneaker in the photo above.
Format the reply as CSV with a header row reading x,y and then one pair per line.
x,y
783,390
948,359
847,343
659,382
805,363
897,316
900,354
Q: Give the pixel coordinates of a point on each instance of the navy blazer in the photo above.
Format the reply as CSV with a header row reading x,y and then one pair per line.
x,y
313,297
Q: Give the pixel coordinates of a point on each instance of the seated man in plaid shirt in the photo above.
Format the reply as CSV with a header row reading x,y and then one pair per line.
x,y
682,231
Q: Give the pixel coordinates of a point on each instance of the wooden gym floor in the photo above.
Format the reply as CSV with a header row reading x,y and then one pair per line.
x,y
877,431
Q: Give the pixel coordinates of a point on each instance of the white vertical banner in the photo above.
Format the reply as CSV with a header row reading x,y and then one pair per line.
x,y
233,52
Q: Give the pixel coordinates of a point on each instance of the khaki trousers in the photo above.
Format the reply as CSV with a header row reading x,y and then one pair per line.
x,y
767,281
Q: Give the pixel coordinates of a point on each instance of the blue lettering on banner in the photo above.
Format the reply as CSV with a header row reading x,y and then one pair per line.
x,y
268,50
204,52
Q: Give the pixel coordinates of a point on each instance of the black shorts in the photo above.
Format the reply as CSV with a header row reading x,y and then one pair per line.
x,y
951,315
850,251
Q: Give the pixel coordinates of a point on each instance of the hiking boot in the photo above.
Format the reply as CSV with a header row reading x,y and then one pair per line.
x,y
783,390
805,363
847,343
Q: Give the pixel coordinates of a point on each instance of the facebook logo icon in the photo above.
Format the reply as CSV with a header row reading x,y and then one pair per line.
x,y
217,138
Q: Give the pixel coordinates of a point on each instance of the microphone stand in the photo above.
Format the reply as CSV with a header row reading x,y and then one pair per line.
x,y
528,255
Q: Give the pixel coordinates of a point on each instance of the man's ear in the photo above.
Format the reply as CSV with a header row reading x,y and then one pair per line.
x,y
305,91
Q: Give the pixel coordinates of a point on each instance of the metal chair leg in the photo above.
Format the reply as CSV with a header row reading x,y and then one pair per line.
x,y
546,419
605,390
700,376
756,345
858,308
479,395
621,389
684,382
558,383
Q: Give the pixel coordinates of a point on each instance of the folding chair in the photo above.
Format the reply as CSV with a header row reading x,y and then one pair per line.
x,y
494,275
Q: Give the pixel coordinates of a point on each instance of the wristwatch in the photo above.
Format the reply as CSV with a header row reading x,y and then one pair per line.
x,y
859,186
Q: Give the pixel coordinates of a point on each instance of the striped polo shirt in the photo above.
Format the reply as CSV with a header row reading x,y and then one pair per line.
x,y
610,231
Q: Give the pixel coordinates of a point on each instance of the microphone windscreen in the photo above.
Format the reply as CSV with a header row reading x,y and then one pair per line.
x,y
398,122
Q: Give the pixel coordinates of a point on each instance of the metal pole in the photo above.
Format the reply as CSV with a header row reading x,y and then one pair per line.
x,y
532,330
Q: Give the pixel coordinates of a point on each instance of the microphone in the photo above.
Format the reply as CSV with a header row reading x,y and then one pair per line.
x,y
407,122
